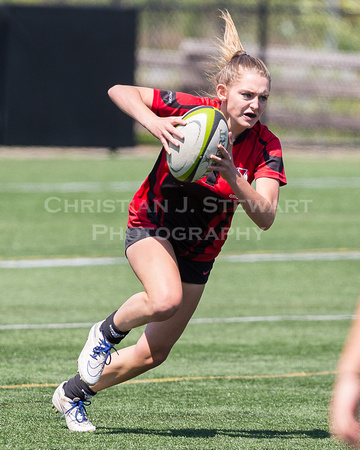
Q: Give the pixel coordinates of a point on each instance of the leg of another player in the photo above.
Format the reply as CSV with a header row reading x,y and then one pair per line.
x,y
153,346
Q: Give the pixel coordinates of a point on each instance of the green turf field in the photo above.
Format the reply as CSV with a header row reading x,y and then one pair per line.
x,y
255,367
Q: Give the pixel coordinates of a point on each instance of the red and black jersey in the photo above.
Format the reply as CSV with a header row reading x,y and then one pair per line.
x,y
197,216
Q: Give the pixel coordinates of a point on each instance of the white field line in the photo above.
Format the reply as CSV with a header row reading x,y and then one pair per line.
x,y
60,262
325,183
128,186
196,321
69,187
296,318
71,262
240,258
298,256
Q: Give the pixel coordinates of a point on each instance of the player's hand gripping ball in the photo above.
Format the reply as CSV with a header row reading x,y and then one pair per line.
x,y
206,128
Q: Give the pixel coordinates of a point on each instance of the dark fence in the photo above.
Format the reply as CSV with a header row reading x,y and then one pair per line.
x,y
56,65
58,95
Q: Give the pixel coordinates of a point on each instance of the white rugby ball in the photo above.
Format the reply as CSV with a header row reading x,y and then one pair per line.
x,y
206,128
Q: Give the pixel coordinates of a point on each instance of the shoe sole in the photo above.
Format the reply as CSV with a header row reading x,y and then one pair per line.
x,y
55,401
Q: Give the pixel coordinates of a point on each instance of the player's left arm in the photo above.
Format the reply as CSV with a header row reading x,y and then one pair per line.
x,y
260,204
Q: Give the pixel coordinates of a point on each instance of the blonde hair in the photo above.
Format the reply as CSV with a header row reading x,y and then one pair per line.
x,y
231,59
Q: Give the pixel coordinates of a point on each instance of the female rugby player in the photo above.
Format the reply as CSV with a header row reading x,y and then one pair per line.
x,y
174,267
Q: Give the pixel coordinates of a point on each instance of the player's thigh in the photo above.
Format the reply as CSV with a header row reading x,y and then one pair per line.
x,y
154,262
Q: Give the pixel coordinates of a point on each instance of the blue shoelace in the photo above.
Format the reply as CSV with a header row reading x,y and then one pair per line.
x,y
80,409
103,347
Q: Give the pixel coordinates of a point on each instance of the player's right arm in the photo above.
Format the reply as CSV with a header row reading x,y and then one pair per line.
x,y
137,102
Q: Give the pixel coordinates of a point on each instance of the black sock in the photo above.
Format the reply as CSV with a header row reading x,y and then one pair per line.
x,y
111,332
76,387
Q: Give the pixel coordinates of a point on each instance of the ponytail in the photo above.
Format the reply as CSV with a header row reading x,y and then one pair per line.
x,y
231,59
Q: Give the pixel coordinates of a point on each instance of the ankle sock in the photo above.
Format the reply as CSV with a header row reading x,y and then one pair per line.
x,y
76,387
111,331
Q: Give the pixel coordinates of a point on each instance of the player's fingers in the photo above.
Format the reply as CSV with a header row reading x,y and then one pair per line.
x,y
215,158
225,152
170,137
178,121
174,139
166,145
175,131
230,142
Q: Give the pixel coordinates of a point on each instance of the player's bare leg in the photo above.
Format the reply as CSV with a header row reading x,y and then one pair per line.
x,y
153,346
154,262
167,305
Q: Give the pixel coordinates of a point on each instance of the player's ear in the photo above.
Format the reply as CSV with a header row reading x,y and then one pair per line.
x,y
221,91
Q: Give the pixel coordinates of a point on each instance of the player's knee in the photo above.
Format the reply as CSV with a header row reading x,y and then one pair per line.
x,y
159,356
166,305
153,356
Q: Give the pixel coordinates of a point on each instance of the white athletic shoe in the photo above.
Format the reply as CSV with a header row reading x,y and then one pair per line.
x,y
94,356
73,410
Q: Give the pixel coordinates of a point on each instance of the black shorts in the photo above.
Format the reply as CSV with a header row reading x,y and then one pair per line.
x,y
196,272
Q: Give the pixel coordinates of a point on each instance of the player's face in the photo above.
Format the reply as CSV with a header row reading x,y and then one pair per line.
x,y
244,101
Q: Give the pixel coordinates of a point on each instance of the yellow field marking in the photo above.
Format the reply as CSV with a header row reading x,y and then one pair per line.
x,y
176,379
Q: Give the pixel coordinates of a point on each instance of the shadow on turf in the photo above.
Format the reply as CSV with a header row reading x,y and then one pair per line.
x,y
208,433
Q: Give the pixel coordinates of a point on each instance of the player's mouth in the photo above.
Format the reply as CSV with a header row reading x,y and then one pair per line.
x,y
250,116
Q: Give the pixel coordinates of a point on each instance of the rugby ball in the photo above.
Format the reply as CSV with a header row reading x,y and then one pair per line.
x,y
206,127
